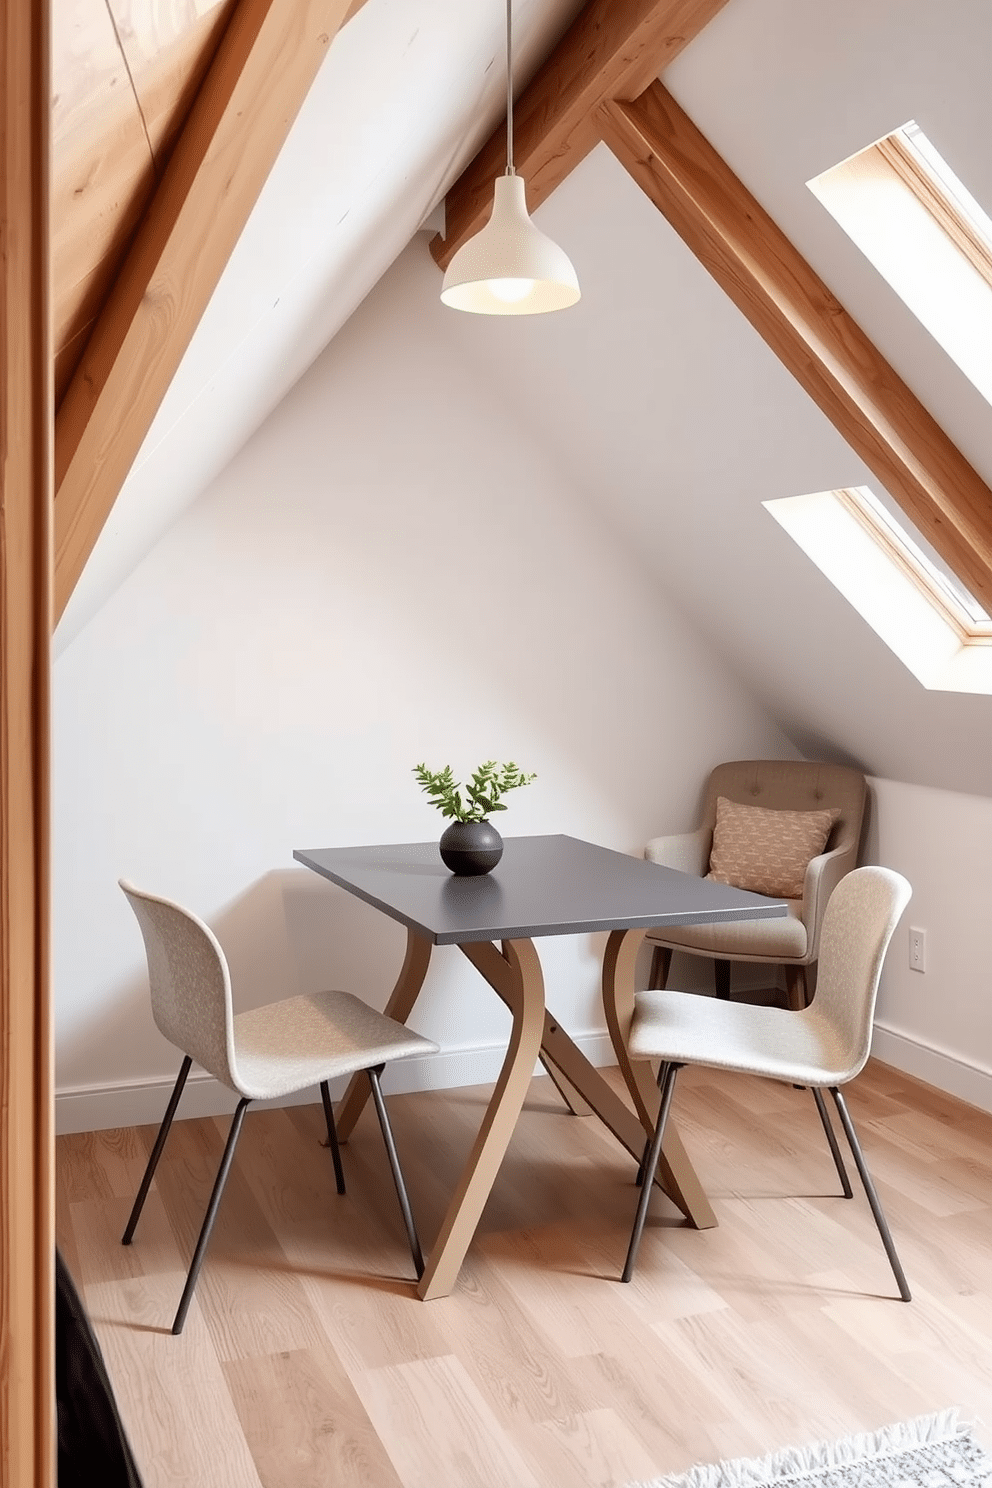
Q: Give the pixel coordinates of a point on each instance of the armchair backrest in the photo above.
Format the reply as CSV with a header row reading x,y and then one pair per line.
x,y
793,785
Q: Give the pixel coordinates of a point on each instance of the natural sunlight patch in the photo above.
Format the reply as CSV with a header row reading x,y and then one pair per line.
x,y
907,211
886,571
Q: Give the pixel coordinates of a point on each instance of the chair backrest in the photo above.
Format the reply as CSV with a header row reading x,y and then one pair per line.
x,y
793,785
189,982
858,925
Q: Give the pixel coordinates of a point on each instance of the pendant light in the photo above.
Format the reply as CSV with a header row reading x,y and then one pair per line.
x,y
509,267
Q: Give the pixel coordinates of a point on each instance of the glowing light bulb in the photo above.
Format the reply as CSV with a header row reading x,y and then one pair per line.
x,y
511,290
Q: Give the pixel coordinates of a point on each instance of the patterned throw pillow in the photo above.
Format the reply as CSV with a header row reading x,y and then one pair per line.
x,y
767,851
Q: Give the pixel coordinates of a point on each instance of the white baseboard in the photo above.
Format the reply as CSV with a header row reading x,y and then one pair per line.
x,y
143,1102
963,1078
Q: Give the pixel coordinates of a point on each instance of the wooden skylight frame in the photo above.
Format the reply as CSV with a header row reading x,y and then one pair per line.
x,y
913,169
902,550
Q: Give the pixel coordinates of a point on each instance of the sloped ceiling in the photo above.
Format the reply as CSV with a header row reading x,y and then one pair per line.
x,y
123,76
404,99
657,395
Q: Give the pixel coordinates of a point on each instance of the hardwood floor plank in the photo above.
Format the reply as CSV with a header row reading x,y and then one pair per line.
x,y
678,1414
104,1163
516,1366
438,1429
172,1394
594,1447
570,1295
304,1424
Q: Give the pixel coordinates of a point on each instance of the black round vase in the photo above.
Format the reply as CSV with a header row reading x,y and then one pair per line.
x,y
469,848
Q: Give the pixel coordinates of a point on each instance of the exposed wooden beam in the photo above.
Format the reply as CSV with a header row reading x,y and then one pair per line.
x,y
260,75
27,1237
807,328
612,50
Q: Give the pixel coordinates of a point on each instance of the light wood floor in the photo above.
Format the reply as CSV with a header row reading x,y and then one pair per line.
x,y
307,1360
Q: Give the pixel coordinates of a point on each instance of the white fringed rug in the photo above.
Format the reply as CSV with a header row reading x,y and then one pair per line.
x,y
929,1452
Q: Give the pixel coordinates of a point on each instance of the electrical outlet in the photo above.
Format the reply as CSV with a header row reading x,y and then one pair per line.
x,y
917,950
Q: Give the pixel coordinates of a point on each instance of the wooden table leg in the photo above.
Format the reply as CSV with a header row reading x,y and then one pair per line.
x,y
516,976
399,1006
568,1092
678,1177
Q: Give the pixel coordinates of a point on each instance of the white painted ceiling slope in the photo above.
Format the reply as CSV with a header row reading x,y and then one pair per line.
x,y
654,392
407,94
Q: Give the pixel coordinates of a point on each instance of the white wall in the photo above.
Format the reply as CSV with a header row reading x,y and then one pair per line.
x,y
392,570
937,1024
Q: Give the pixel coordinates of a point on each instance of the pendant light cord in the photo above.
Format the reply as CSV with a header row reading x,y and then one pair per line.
x,y
510,171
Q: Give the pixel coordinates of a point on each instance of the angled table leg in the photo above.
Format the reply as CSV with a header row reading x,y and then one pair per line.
x,y
678,1177
516,976
399,1006
568,1092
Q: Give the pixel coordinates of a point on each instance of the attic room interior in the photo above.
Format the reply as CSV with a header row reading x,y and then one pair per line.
x,y
278,524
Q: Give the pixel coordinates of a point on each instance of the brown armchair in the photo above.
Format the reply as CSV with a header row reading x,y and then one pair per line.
x,y
779,785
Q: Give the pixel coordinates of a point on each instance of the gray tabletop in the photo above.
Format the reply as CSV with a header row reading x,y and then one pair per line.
x,y
541,886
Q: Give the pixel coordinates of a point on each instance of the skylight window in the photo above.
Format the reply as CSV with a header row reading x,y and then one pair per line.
x,y
925,233
896,583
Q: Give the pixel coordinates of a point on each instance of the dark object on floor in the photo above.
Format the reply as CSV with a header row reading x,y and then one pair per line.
x,y
93,1447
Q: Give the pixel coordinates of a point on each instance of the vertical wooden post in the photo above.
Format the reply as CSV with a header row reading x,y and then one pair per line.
x,y
27,1411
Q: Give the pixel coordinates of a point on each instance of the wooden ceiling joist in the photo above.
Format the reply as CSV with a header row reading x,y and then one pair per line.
x,y
262,70
807,328
612,50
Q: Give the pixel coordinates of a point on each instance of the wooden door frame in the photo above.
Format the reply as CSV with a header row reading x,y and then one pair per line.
x,y
27,1243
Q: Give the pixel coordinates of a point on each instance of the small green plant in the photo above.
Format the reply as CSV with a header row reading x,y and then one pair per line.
x,y
482,793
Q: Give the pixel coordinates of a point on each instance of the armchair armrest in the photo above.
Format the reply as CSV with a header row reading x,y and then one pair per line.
x,y
823,874
687,851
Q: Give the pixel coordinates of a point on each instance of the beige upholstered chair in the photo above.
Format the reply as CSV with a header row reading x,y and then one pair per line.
x,y
823,1046
781,785
261,1054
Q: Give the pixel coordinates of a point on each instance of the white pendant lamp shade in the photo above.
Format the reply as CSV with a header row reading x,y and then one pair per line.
x,y
510,267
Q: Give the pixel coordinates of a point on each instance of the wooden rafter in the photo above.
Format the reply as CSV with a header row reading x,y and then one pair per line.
x,y
27,1243
260,75
808,329
612,50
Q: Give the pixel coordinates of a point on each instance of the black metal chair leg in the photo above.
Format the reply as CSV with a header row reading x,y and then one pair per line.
x,y
821,1106
639,1179
394,1163
332,1135
211,1215
876,1208
160,1140
667,1091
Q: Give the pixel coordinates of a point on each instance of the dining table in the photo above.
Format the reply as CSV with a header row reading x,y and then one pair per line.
x,y
542,886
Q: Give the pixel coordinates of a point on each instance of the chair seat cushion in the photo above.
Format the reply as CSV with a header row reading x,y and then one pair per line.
x,y
739,940
800,1047
290,1045
765,850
